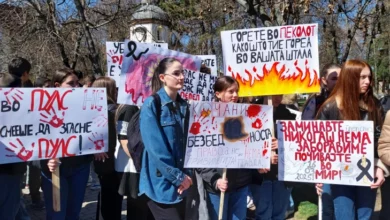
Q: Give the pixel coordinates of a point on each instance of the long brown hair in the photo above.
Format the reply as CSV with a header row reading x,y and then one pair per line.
x,y
109,84
347,94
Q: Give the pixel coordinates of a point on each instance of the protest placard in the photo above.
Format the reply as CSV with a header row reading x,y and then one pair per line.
x,y
139,64
273,60
38,124
335,152
210,61
229,135
198,86
114,51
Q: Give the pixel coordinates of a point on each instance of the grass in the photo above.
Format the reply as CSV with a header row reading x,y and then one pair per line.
x,y
306,201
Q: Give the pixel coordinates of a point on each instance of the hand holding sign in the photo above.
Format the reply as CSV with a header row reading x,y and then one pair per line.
x,y
20,150
380,179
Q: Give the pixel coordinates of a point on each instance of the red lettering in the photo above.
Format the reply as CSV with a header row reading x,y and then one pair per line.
x,y
51,99
52,147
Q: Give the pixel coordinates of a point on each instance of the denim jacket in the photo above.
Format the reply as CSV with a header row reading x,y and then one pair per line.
x,y
163,159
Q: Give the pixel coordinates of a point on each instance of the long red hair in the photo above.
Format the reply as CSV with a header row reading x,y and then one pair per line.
x,y
347,94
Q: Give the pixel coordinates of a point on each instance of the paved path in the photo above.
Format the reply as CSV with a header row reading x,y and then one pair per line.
x,y
90,201
88,211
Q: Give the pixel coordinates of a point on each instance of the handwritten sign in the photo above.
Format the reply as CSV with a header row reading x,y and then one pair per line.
x,y
335,152
210,61
139,64
41,124
229,135
198,86
114,51
273,60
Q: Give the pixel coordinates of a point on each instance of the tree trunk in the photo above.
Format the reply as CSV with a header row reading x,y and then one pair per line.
x,y
93,53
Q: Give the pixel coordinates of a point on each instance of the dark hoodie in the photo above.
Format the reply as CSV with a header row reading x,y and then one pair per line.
x,y
10,81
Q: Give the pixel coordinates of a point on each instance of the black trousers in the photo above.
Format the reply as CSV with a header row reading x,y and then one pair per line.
x,y
167,211
385,195
110,202
34,181
138,209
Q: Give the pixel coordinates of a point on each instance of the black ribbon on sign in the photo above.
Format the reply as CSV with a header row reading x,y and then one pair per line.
x,y
132,48
364,170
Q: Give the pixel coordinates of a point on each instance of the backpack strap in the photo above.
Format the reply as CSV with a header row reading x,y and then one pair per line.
x,y
157,102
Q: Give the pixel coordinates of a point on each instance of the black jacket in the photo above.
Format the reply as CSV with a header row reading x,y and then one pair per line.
x,y
331,112
8,80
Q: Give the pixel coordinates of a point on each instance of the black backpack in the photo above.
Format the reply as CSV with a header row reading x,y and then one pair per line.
x,y
135,144
385,102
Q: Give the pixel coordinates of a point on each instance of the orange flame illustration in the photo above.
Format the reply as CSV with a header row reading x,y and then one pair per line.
x,y
274,81
205,113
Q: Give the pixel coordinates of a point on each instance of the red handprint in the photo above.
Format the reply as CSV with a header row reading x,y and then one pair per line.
x,y
100,120
55,121
257,124
97,141
20,150
13,93
265,148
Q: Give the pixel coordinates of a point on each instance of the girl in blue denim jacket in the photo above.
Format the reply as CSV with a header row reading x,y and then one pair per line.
x,y
163,179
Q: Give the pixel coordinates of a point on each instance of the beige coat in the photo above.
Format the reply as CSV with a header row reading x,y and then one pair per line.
x,y
384,141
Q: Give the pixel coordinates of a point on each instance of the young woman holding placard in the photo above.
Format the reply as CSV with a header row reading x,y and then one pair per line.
x,y
235,185
74,171
353,99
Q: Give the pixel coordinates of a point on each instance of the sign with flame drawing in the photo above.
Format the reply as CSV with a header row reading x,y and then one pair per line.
x,y
229,135
39,124
335,152
139,63
273,60
114,51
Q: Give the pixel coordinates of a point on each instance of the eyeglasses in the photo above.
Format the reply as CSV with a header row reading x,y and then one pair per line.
x,y
176,73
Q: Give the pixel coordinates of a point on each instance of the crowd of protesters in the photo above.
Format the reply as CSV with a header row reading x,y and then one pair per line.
x,y
158,186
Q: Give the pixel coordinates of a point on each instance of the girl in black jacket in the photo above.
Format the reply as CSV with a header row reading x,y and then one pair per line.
x,y
353,99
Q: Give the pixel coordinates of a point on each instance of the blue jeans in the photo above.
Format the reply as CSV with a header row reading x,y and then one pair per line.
x,y
349,200
73,182
271,199
9,195
22,213
234,207
327,203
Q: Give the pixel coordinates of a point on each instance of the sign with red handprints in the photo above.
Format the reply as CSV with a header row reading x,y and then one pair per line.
x,y
229,135
39,123
273,60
